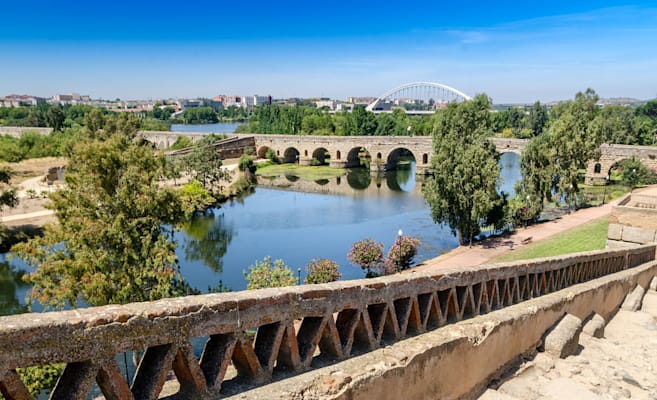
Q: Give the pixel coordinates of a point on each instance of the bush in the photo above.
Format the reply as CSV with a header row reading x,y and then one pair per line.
x,y
322,271
195,197
401,253
246,163
265,274
368,254
271,156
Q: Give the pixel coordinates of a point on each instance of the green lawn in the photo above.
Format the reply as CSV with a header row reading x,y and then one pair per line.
x,y
590,236
303,172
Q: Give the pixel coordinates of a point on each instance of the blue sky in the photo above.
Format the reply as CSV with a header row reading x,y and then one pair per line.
x,y
513,51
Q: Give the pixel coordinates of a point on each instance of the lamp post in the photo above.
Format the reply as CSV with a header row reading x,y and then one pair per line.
x,y
604,193
527,211
399,238
299,275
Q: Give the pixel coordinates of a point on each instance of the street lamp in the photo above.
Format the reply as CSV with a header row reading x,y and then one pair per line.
x,y
399,238
604,193
527,211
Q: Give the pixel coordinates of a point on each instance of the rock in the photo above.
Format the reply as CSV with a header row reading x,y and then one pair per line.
x,y
595,326
562,340
653,284
633,300
627,378
491,394
563,388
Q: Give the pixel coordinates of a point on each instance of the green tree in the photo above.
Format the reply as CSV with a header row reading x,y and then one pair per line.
x,y
203,163
537,118
8,197
616,125
322,271
266,274
110,245
55,117
462,189
635,173
576,139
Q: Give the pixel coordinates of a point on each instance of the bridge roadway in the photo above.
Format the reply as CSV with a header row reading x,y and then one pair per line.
x,y
343,151
434,334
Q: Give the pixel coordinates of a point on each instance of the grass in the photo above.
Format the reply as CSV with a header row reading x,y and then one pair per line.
x,y
33,167
589,236
303,172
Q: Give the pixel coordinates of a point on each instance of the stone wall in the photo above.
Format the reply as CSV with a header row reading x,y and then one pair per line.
x,y
633,221
262,334
17,131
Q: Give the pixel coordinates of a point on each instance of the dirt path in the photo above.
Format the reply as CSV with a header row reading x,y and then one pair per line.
x,y
486,250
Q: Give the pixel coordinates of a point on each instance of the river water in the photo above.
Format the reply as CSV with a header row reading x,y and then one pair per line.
x,y
296,221
221,127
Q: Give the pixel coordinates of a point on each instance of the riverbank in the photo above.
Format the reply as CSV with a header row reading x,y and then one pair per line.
x,y
493,248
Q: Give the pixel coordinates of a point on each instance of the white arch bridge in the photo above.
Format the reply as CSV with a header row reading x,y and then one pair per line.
x,y
417,97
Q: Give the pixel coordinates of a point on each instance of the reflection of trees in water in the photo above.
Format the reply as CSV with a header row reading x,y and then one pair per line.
x,y
207,239
359,178
10,282
402,179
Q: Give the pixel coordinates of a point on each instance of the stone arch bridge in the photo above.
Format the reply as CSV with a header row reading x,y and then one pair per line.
x,y
386,151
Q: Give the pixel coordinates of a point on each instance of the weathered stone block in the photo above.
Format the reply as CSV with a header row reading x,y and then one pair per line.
x,y
637,235
633,300
615,231
653,283
562,340
595,326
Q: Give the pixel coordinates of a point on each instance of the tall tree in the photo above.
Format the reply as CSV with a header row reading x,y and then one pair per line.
x,y
537,118
110,245
576,140
462,189
203,163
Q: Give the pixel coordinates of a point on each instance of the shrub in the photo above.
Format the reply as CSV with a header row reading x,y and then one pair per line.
x,y
322,271
265,274
246,163
368,254
401,253
271,156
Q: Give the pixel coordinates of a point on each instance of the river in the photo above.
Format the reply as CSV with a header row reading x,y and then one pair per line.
x,y
221,127
296,223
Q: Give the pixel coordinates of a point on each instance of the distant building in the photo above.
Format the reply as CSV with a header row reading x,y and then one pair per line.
x,y
360,100
330,104
16,100
72,98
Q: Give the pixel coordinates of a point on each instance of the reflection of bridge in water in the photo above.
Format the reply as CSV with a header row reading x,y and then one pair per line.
x,y
355,183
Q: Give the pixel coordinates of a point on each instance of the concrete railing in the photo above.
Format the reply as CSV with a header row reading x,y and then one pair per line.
x,y
251,335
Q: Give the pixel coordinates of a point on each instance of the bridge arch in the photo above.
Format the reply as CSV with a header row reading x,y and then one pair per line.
x,y
322,155
262,151
430,90
291,155
397,155
358,157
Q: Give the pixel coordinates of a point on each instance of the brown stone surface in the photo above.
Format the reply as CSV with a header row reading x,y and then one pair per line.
x,y
561,341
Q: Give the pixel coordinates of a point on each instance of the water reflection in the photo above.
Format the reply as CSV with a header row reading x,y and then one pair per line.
x,y
12,287
206,239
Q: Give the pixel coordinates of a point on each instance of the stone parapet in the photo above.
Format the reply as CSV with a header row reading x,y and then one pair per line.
x,y
282,330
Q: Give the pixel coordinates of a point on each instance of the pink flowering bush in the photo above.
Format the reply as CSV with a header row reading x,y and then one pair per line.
x,y
401,253
368,254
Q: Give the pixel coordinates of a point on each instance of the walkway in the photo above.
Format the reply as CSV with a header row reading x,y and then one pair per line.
x,y
487,250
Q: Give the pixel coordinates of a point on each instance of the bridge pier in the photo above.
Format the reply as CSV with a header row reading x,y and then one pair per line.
x,y
305,161
338,163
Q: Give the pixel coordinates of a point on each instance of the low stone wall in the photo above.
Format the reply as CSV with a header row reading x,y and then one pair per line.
x,y
633,222
17,131
289,330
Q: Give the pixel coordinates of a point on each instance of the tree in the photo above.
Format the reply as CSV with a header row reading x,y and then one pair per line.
x,y
635,173
575,139
616,125
8,197
110,245
462,189
537,118
55,117
401,253
266,275
203,163
322,271
368,254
